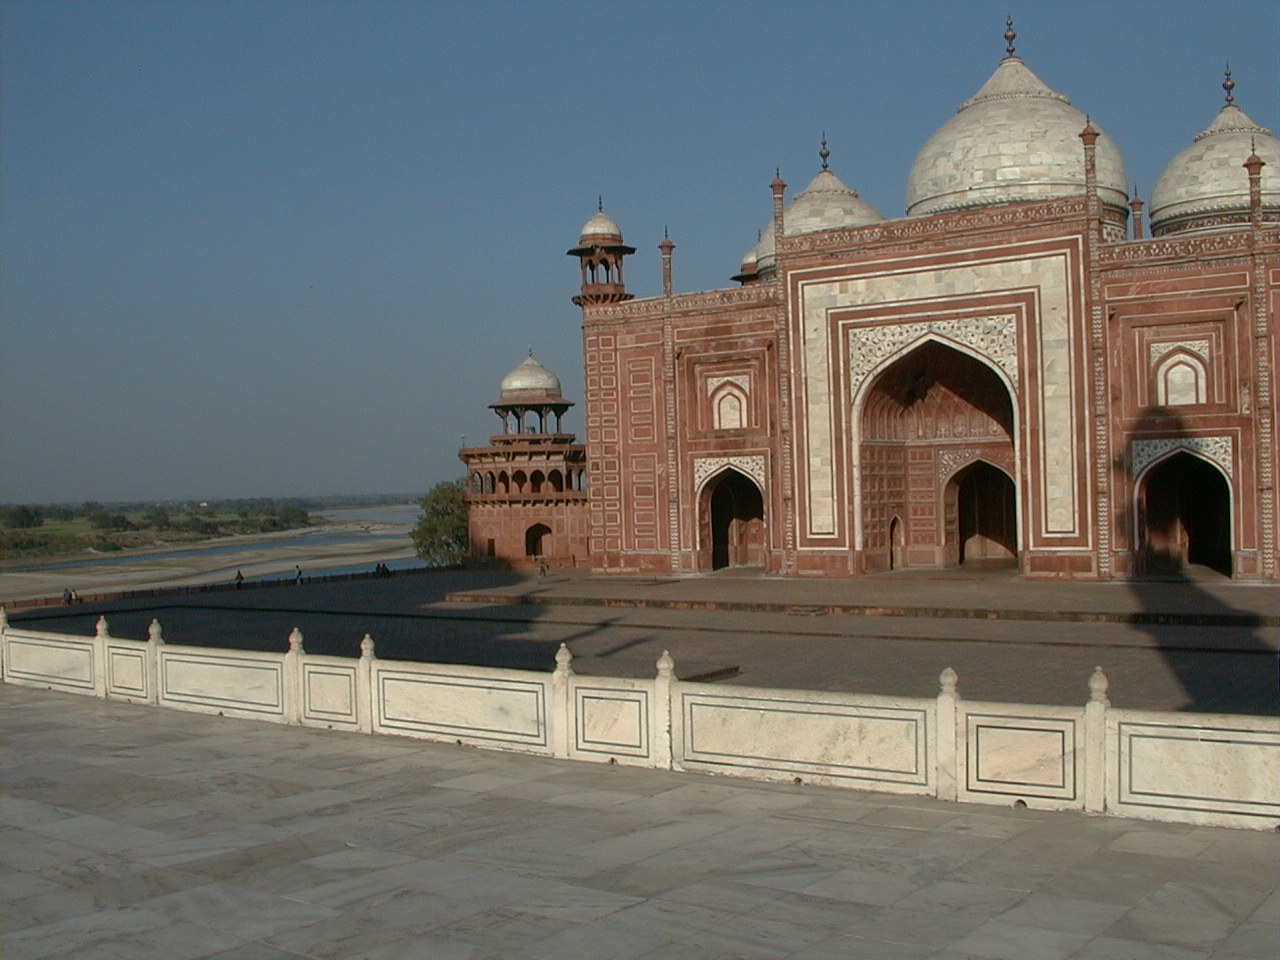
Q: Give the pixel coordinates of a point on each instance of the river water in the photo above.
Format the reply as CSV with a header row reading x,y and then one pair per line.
x,y
385,526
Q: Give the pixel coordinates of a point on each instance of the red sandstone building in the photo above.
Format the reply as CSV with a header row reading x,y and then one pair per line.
x,y
1010,374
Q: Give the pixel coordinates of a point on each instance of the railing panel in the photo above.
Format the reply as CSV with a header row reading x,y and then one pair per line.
x,y
1007,752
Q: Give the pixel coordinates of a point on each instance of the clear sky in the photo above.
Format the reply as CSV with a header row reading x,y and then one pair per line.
x,y
267,248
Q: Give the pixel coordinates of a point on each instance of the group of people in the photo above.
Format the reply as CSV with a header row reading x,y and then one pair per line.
x,y
69,596
382,570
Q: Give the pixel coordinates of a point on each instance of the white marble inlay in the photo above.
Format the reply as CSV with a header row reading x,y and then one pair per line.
x,y
752,466
1218,449
1199,347
995,338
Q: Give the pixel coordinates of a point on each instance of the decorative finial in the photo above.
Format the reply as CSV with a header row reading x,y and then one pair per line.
x,y
1010,35
1228,85
531,351
824,152
665,235
600,204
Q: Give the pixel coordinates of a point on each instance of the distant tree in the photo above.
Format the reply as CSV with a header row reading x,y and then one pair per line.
x,y
441,538
21,518
291,515
158,518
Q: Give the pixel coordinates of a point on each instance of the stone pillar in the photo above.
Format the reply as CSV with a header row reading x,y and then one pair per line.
x,y
560,708
664,691
155,640
1095,744
948,704
365,693
293,678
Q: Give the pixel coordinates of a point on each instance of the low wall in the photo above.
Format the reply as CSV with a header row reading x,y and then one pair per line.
x,y
1183,767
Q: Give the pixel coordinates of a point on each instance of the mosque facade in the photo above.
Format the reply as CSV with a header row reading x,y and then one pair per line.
x,y
1012,374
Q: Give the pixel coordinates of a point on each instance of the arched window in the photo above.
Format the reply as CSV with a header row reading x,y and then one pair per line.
x,y
535,481
490,483
556,480
477,483
729,408
1180,380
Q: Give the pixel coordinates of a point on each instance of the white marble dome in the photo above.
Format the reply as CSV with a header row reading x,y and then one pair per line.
x,y
825,204
1206,186
600,225
1016,139
530,376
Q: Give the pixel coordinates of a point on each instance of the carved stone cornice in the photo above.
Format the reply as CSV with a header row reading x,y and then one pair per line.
x,y
938,226
1184,248
655,308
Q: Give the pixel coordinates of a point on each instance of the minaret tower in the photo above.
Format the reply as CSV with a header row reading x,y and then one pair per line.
x,y
600,249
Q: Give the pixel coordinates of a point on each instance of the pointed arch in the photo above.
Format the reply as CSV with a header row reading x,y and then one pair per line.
x,y
1181,379
731,521
1184,514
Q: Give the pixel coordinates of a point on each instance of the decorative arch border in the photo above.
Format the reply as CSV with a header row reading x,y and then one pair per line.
x,y
951,462
704,468
992,339
1199,347
1218,450
1180,357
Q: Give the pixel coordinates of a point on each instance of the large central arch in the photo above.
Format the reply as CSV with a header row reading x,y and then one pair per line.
x,y
731,522
937,458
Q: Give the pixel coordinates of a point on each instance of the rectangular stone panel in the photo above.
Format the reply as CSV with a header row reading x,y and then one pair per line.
x,y
237,685
329,694
1217,765
126,670
63,664
473,708
611,721
1022,756
839,739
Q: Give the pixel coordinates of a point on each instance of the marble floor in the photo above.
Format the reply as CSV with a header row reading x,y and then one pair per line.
x,y
133,832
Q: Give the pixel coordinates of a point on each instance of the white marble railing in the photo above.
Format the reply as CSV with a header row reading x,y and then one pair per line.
x,y
1184,767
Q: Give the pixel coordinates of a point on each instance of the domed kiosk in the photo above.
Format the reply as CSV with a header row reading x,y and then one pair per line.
x,y
526,491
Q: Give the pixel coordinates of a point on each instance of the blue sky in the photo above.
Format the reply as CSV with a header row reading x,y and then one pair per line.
x,y
267,248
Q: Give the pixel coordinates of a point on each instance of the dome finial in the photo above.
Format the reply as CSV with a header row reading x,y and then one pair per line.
x,y
600,204
1228,85
1010,35
824,152
531,351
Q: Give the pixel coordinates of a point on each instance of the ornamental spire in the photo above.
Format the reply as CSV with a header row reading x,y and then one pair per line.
x,y
824,153
1010,35
1228,85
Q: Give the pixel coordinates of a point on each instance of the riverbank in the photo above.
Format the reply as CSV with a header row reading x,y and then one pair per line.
x,y
351,540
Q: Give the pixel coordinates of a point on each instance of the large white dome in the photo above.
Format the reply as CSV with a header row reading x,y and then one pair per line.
x,y
1206,186
1016,139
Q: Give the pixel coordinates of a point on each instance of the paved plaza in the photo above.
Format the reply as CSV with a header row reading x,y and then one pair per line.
x,y
135,832
1205,646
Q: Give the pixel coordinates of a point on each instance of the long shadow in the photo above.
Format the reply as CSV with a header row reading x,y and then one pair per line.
x,y
1183,543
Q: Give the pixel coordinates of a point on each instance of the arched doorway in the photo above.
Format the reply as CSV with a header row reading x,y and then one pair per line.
x,y
984,524
932,408
1185,516
732,512
535,540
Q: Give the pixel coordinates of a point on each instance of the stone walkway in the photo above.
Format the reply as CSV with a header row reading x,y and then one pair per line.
x,y
130,831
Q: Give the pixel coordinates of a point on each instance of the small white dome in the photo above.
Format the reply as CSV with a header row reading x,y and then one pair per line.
x,y
1016,139
1206,186
531,376
600,225
825,204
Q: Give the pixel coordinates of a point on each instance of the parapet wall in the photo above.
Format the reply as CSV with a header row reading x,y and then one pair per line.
x,y
1182,767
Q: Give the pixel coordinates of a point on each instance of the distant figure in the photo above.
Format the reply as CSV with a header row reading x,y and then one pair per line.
x,y
297,576
75,596
542,566
66,595
239,579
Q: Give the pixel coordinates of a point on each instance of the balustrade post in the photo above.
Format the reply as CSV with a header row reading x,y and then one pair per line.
x,y
100,638
664,689
1095,743
948,772
155,640
293,678
560,708
4,645
364,686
